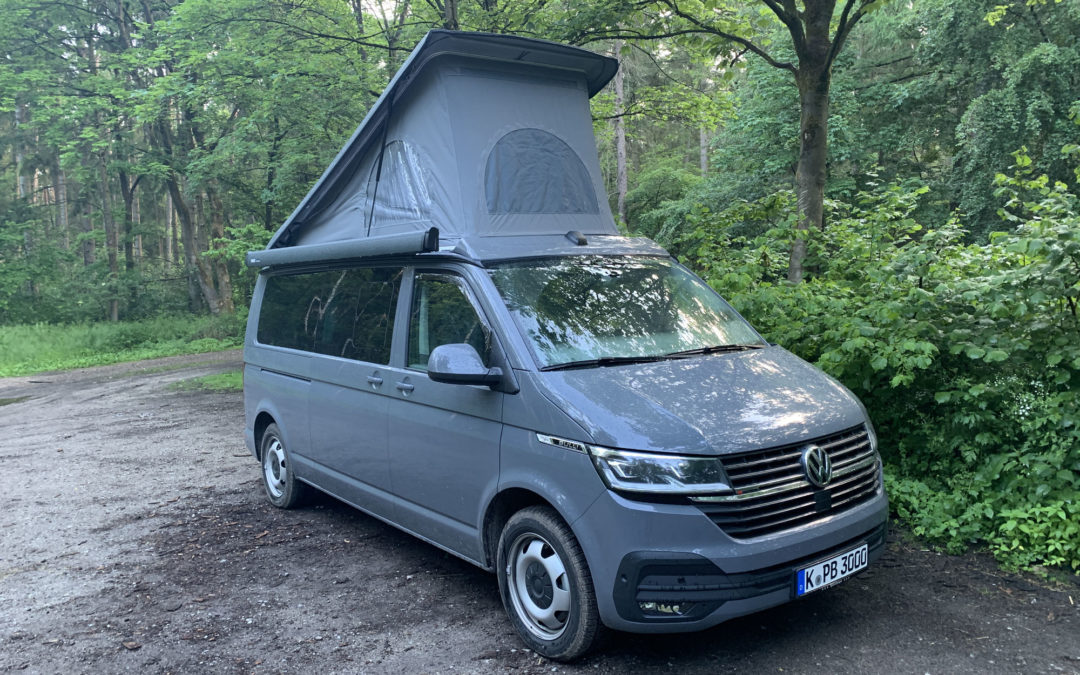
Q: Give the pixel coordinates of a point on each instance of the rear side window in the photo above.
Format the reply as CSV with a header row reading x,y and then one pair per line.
x,y
347,313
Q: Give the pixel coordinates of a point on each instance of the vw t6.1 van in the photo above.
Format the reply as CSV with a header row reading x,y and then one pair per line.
x,y
450,334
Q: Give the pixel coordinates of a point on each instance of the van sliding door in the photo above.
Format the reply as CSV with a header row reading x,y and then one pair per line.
x,y
350,388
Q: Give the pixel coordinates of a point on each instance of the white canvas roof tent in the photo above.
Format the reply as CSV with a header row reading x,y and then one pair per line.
x,y
482,145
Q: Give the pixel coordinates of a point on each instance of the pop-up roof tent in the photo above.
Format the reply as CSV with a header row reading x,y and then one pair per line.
x,y
484,137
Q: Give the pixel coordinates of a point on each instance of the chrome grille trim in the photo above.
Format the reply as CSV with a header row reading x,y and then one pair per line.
x,y
795,485
770,491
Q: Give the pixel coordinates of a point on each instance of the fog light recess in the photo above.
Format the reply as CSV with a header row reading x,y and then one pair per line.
x,y
665,609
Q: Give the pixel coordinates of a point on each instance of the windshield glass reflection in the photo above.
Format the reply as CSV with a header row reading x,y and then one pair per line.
x,y
587,308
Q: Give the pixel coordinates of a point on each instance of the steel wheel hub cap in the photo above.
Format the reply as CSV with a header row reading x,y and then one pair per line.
x,y
539,586
274,469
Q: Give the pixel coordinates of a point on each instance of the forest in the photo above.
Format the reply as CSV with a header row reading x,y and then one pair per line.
x,y
887,188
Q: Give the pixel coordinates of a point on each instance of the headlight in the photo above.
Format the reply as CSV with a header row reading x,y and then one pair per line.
x,y
656,473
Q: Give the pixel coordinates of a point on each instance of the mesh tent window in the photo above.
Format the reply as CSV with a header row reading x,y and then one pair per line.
x,y
533,171
402,195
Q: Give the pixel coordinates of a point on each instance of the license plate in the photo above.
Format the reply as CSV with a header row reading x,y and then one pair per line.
x,y
828,572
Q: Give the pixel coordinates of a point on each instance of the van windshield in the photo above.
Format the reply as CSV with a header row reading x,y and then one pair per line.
x,y
586,311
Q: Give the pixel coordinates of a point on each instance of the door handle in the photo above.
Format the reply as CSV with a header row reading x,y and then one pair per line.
x,y
375,381
404,387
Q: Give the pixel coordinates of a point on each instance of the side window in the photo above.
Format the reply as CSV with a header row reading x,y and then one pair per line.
x,y
442,314
347,313
284,316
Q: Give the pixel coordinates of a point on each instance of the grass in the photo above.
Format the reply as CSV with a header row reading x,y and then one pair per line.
x,y
232,380
38,348
169,367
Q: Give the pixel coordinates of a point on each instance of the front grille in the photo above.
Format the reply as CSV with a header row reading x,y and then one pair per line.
x,y
773,494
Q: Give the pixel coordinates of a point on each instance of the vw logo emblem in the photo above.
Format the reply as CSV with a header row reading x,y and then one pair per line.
x,y
815,462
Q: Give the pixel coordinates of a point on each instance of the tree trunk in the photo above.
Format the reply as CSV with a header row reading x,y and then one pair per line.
x,y
620,138
127,191
111,243
703,149
221,270
451,15
87,246
171,241
136,220
62,216
197,266
22,181
810,173
357,7
271,175
813,78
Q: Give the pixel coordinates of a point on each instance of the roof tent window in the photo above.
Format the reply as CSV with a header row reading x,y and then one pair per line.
x,y
532,171
402,195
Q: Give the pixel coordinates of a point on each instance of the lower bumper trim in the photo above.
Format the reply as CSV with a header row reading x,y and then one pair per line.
x,y
666,587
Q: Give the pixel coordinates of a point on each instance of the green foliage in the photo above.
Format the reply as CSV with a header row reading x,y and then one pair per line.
x,y
230,381
655,187
966,355
41,347
233,250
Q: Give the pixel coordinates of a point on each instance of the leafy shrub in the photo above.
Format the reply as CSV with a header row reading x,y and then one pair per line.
x,y
967,356
41,347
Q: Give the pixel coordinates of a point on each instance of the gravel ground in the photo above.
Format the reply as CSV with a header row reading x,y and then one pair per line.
x,y
135,537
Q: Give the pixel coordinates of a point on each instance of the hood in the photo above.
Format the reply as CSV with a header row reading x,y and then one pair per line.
x,y
711,404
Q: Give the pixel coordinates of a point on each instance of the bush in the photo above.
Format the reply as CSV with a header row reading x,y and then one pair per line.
x,y
966,355
41,347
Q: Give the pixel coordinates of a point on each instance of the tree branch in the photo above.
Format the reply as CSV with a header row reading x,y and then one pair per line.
x,y
895,80
845,26
789,16
704,27
888,63
666,74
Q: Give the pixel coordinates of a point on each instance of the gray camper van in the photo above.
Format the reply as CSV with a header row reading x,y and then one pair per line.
x,y
450,334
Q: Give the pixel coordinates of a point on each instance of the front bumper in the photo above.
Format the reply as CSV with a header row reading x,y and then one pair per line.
x,y
685,588
673,556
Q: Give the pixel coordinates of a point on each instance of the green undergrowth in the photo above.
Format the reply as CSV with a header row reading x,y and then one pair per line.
x,y
26,349
966,355
232,380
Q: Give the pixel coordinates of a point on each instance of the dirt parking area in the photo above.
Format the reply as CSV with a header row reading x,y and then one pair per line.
x,y
135,537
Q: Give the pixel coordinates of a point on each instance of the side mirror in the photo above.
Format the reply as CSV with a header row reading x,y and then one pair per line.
x,y
460,364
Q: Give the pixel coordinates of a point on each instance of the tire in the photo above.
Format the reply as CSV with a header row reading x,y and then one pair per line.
x,y
282,488
545,585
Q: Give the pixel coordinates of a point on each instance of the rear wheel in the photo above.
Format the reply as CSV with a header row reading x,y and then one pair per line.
x,y
282,488
545,585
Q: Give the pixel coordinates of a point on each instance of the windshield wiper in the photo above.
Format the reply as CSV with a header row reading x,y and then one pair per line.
x,y
605,361
716,349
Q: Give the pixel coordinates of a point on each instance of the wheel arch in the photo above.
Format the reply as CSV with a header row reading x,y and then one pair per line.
x,y
262,421
504,504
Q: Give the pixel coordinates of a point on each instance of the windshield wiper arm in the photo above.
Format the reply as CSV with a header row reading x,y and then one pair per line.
x,y
716,349
604,361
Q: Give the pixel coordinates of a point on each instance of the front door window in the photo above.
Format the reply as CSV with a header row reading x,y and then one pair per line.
x,y
443,314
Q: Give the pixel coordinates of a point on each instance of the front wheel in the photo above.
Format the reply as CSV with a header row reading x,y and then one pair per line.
x,y
545,585
279,480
